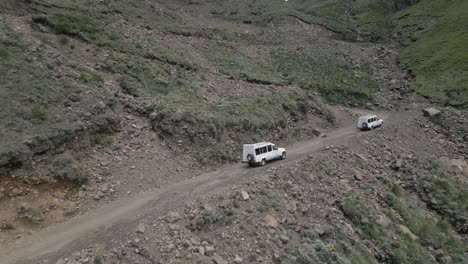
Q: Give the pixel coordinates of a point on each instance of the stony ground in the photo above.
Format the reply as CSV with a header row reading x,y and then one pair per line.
x,y
341,204
397,194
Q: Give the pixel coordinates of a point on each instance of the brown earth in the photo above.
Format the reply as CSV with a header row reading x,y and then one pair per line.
x,y
117,214
143,175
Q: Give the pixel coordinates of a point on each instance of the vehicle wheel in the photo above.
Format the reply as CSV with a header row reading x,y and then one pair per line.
x,y
283,156
364,126
250,157
263,163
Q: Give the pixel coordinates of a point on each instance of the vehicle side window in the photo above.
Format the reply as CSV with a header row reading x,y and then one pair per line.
x,y
269,148
275,147
370,120
257,151
264,149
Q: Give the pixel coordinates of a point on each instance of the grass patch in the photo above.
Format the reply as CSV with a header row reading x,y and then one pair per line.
x,y
33,118
432,33
79,26
39,113
218,155
255,114
91,78
214,34
238,66
444,194
398,246
145,77
334,78
436,233
439,57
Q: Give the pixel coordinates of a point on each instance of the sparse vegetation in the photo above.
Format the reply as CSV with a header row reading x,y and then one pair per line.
x,y
91,78
255,114
238,66
334,78
78,26
399,245
432,232
39,113
430,31
444,194
65,168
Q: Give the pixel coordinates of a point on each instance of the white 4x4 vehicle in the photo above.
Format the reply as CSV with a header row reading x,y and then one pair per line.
x,y
369,122
260,153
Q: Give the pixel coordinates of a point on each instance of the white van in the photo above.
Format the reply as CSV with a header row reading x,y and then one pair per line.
x,y
260,153
369,122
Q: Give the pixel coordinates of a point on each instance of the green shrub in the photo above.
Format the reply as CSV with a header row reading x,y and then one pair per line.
x,y
130,86
89,77
353,210
39,113
218,155
64,167
63,40
97,260
83,27
3,52
316,252
107,142
203,221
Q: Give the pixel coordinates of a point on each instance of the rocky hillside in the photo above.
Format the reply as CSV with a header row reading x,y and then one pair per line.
x,y
103,101
388,196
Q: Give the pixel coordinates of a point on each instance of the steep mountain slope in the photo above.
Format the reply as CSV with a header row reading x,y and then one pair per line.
x,y
73,67
102,100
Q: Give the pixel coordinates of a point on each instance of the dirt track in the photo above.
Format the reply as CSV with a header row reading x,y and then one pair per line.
x,y
105,223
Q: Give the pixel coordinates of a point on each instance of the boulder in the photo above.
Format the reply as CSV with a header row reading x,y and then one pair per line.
x,y
201,250
271,221
238,259
384,221
358,175
430,112
284,239
209,250
219,260
141,229
408,232
245,195
457,165
172,217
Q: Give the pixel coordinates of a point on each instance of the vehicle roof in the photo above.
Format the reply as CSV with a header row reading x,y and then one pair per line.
x,y
259,143
367,116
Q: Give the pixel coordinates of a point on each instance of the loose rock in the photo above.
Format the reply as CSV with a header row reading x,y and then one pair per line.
x,y
408,232
172,217
219,260
238,259
358,175
141,228
209,250
245,195
430,112
271,221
